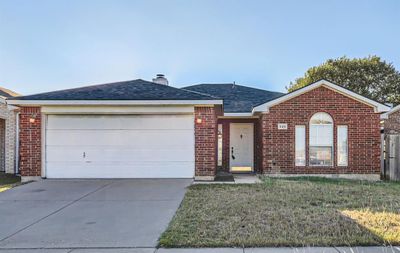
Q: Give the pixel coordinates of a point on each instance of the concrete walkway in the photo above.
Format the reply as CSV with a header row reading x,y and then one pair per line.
x,y
239,179
213,250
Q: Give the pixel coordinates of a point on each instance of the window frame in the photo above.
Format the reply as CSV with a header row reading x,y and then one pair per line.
x,y
220,145
332,141
304,142
347,145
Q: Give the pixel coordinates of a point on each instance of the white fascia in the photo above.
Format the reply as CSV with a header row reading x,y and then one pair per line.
x,y
238,114
113,102
378,107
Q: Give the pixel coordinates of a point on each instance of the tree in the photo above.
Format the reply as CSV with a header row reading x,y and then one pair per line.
x,y
368,76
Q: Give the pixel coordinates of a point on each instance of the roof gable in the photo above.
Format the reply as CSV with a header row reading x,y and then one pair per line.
x,y
236,98
378,107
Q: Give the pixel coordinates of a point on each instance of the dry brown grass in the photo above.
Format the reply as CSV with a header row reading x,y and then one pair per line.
x,y
8,181
281,212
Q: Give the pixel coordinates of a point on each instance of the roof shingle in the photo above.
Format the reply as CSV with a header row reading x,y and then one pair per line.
x,y
128,90
7,93
237,98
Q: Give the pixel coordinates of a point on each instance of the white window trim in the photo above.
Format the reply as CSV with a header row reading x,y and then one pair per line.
x,y
347,146
220,149
332,143
305,146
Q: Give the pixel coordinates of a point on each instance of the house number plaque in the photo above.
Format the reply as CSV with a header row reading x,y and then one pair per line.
x,y
282,126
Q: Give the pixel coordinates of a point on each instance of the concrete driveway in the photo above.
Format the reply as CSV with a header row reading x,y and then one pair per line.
x,y
88,213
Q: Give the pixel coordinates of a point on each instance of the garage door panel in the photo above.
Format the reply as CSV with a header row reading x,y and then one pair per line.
x,y
87,154
125,170
120,137
119,122
123,146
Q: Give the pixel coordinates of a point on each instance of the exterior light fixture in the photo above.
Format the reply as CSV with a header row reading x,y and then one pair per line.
x,y
32,118
199,121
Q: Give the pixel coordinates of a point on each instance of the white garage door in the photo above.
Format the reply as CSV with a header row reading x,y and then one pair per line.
x,y
120,146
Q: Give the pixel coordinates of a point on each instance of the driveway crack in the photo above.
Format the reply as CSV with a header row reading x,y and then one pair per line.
x,y
56,211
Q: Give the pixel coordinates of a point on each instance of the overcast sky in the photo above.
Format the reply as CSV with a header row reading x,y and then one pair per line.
x,y
49,45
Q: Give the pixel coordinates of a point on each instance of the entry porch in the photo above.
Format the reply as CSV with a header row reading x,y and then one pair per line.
x,y
239,144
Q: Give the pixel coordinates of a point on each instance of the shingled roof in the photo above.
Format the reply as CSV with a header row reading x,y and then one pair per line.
x,y
7,93
237,98
128,90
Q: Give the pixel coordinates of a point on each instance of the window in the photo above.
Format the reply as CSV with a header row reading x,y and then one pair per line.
x,y
300,145
321,140
219,163
342,150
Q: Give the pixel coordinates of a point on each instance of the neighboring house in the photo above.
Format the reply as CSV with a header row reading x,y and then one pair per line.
x,y
391,125
392,121
141,129
7,132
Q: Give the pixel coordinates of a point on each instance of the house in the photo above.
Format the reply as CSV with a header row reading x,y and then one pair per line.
x,y
391,137
392,121
8,117
141,129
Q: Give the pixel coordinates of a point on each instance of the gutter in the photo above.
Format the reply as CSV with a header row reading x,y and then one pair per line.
x,y
114,102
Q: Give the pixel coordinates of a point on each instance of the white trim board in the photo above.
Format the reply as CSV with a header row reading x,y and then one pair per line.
x,y
238,114
123,109
378,107
114,102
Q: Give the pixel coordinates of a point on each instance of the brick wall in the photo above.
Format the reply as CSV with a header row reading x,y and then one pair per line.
x,y
30,142
2,144
206,141
9,137
278,150
392,124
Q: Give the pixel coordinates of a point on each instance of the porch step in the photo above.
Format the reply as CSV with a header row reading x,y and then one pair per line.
x,y
223,176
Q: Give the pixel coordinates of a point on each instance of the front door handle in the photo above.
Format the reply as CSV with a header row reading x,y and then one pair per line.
x,y
233,157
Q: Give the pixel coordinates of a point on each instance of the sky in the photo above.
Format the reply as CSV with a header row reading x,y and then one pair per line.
x,y
56,44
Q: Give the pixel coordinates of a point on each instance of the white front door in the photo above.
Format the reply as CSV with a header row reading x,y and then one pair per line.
x,y
241,147
120,146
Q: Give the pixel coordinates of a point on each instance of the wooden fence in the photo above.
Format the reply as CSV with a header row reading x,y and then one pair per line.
x,y
392,157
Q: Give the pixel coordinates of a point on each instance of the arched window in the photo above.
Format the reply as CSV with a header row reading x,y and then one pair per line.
x,y
321,140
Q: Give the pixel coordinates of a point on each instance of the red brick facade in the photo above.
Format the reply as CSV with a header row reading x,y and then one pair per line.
x,y
30,148
278,151
206,141
274,150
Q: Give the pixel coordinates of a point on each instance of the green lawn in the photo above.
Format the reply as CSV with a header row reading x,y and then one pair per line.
x,y
287,212
8,181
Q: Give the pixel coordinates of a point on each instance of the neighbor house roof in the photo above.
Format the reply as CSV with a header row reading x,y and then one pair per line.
x,y
237,98
127,92
378,107
6,93
393,110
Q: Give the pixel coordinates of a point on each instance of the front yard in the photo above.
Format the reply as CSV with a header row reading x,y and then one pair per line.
x,y
8,181
287,212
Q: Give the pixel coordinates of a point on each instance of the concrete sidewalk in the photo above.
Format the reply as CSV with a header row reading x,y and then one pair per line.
x,y
395,249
